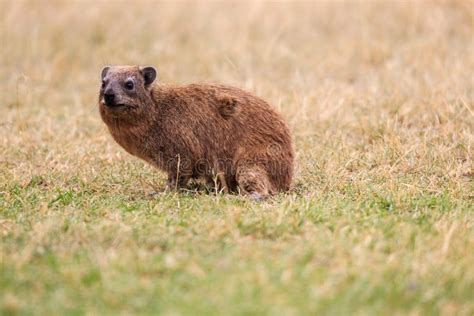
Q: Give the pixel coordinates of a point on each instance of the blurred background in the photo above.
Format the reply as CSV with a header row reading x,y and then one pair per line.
x,y
399,49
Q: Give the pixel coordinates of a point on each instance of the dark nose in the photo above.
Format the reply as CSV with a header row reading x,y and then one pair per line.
x,y
109,97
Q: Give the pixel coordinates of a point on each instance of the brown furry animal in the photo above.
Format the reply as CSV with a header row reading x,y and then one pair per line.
x,y
221,134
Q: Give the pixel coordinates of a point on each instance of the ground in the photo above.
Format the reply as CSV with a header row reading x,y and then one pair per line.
x,y
379,98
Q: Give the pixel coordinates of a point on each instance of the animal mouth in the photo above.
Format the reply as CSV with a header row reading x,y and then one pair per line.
x,y
115,107
118,106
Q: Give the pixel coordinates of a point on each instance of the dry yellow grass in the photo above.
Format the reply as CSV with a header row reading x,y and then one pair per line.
x,y
380,100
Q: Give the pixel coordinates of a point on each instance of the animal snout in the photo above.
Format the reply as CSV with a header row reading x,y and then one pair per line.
x,y
109,98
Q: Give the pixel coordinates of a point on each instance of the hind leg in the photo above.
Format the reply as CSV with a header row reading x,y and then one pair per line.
x,y
253,180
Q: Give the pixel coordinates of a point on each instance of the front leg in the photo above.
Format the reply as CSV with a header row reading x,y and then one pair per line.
x,y
177,182
179,170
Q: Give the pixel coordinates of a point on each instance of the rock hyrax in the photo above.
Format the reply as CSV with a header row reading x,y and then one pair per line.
x,y
221,134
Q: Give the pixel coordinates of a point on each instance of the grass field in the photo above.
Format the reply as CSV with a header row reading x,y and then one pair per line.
x,y
379,97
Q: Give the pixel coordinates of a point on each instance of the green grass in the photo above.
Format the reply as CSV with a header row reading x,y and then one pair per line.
x,y
80,247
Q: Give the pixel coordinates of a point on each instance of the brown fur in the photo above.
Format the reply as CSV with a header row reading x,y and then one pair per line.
x,y
219,133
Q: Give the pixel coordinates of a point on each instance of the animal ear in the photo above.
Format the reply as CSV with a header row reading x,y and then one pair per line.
x,y
149,74
104,71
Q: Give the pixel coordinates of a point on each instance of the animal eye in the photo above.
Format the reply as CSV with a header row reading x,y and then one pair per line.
x,y
103,85
129,85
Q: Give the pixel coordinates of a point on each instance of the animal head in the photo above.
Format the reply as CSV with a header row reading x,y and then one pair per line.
x,y
125,90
